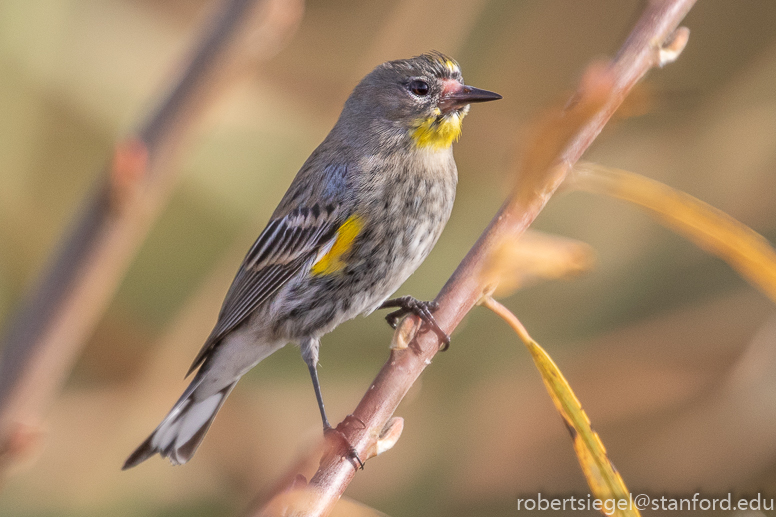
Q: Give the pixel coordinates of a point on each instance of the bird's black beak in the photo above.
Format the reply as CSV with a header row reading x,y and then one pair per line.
x,y
456,95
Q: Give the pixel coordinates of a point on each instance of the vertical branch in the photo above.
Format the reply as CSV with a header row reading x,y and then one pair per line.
x,y
42,341
567,134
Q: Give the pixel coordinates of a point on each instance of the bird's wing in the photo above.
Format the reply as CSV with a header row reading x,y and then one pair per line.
x,y
282,249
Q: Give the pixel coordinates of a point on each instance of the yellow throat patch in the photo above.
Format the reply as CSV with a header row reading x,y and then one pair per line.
x,y
437,132
330,258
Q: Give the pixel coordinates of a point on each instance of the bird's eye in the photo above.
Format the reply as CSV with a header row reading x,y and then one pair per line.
x,y
418,87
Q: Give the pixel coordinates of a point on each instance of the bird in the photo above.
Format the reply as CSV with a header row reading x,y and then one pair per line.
x,y
360,216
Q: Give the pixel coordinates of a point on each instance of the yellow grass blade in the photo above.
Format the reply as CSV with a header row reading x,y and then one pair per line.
x,y
604,480
745,250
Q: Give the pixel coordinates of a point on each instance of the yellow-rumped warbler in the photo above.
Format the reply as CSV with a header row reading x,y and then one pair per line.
x,y
359,218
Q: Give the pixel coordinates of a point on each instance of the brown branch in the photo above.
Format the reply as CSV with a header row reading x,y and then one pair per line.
x,y
565,137
43,340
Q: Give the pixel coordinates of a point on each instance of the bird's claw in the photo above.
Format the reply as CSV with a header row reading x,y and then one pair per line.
x,y
421,309
352,454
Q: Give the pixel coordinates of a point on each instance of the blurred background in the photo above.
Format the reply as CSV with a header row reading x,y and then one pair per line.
x,y
672,355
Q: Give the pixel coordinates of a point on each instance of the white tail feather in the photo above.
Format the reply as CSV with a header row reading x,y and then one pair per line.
x,y
182,430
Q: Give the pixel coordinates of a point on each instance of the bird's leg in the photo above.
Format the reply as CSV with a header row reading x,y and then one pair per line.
x,y
423,310
317,387
310,356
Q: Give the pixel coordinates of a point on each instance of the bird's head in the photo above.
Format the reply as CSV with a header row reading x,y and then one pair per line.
x,y
422,99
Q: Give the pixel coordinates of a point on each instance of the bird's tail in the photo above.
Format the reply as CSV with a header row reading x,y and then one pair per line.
x,y
183,429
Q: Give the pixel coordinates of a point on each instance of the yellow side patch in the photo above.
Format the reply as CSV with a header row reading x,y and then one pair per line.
x,y
437,133
331,261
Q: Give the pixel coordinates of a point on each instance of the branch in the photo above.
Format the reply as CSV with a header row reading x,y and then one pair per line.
x,y
567,134
42,341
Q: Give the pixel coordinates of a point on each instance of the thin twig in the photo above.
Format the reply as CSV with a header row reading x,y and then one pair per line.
x,y
570,133
43,340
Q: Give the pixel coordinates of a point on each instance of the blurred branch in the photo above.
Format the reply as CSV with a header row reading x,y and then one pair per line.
x,y
714,231
43,340
560,143
534,257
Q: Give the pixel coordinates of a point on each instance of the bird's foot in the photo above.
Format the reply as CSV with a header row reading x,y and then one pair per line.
x,y
330,432
423,310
